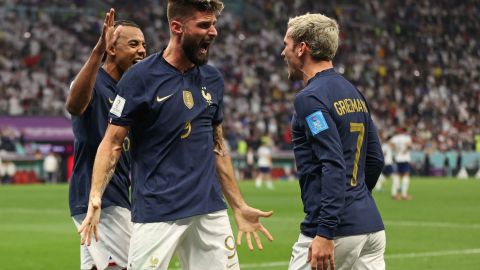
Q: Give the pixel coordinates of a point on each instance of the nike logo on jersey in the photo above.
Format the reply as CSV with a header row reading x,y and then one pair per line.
x,y
110,100
160,99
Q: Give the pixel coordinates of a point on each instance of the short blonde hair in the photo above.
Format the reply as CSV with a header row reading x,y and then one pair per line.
x,y
318,31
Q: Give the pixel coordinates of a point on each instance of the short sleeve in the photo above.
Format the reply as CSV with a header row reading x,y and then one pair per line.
x,y
130,99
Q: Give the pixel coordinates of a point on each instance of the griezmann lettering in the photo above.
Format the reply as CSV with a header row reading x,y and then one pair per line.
x,y
348,105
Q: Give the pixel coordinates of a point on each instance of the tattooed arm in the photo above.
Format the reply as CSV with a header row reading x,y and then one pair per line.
x,y
246,217
108,154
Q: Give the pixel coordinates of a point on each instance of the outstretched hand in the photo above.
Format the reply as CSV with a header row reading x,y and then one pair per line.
x,y
90,222
248,222
109,33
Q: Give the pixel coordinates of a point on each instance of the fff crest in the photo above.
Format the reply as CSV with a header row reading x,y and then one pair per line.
x,y
207,96
188,99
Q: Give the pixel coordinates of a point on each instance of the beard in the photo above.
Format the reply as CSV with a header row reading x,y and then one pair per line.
x,y
294,75
191,48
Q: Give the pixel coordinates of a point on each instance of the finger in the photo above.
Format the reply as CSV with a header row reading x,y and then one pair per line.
x,y
313,262
82,237
89,236
266,214
95,232
111,21
239,238
249,241
332,263
257,241
266,233
325,262
309,257
81,228
107,18
105,24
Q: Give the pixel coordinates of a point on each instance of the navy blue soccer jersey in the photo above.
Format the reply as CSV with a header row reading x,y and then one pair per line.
x,y
89,129
171,117
337,152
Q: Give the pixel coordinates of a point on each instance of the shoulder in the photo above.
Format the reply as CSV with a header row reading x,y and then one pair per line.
x,y
143,67
211,72
307,101
136,74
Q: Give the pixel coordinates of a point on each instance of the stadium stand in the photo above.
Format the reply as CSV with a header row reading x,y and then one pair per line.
x,y
418,63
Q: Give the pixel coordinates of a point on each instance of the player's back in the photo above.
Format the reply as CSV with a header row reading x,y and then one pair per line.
x,y
402,143
264,156
349,112
339,130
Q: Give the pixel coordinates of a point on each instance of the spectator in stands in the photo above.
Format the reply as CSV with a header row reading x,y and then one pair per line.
x,y
9,171
414,63
50,167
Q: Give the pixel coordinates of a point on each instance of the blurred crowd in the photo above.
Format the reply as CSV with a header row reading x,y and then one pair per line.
x,y
417,62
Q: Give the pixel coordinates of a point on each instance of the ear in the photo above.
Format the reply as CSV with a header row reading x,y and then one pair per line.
x,y
176,27
302,49
111,50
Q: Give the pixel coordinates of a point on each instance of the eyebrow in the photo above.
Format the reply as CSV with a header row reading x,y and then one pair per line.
x,y
135,40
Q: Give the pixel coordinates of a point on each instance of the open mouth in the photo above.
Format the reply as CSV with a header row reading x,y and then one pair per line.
x,y
204,47
136,60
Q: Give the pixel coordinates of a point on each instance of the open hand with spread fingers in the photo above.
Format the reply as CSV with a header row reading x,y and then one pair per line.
x,y
109,33
90,222
248,223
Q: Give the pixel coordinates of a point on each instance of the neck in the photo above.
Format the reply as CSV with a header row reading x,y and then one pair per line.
x,y
310,68
175,56
112,70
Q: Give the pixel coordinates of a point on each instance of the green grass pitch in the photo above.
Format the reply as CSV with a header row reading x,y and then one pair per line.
x,y
438,229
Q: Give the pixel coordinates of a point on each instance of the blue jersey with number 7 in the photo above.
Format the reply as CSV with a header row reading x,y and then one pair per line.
x,y
338,156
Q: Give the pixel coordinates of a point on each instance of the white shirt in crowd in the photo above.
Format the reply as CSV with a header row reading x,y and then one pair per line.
x,y
50,163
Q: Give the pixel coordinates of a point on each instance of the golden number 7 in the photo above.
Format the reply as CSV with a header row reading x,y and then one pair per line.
x,y
360,128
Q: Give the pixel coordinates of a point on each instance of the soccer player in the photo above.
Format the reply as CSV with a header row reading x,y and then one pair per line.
x,y
402,145
264,154
338,155
90,98
172,104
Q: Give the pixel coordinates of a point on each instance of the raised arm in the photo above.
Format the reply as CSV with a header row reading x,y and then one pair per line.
x,y
108,154
81,89
246,217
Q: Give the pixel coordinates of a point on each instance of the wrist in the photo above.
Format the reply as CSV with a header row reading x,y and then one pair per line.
x,y
239,206
98,51
95,195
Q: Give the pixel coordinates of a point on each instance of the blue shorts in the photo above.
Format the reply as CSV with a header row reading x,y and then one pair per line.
x,y
403,167
387,170
264,169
